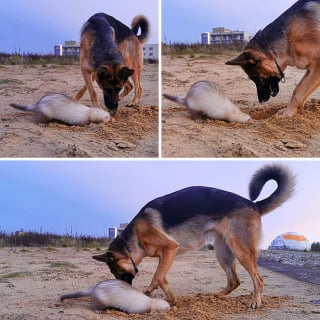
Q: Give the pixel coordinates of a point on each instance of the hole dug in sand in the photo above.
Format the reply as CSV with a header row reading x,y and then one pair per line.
x,y
209,306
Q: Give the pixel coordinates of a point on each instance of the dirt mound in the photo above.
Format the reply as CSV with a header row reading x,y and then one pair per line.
x,y
268,136
208,306
32,280
132,132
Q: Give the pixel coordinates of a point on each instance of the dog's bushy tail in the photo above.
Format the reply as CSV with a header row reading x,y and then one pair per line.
x,y
176,99
284,179
77,294
142,23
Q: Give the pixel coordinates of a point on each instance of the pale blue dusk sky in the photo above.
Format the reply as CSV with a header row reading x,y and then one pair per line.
x,y
35,26
88,197
185,20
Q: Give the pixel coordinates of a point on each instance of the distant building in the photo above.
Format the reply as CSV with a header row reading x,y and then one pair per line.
x,y
224,36
114,231
70,48
150,51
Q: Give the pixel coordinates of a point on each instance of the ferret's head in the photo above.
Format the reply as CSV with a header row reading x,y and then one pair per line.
x,y
99,115
119,261
111,79
159,305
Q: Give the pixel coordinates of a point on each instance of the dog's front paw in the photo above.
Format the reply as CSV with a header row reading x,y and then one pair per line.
x,y
148,293
255,304
132,105
287,112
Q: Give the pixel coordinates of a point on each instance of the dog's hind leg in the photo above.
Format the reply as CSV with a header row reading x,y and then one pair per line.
x,y
228,264
242,233
247,256
137,87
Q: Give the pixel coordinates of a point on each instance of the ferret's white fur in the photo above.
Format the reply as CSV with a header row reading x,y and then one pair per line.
x,y
119,295
206,97
57,106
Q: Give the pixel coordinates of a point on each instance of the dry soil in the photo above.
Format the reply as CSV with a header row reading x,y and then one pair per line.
x,y
132,132
268,135
32,279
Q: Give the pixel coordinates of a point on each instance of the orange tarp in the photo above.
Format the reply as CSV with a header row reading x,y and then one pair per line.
x,y
293,237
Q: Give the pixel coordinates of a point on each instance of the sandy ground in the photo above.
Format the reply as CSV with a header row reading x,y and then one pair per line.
x,y
31,280
267,136
133,132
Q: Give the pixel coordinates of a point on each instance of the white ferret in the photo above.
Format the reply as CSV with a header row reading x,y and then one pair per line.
x,y
205,97
57,106
119,295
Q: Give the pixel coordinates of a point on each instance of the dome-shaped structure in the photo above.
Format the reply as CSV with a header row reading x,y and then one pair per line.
x,y
290,241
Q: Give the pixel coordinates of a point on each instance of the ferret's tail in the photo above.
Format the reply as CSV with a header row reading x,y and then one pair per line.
x,y
142,23
176,99
77,294
285,181
30,107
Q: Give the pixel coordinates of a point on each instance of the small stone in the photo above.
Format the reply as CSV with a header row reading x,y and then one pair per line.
x,y
291,144
125,145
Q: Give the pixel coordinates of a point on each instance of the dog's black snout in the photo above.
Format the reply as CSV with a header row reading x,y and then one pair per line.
x,y
266,88
274,86
111,104
127,277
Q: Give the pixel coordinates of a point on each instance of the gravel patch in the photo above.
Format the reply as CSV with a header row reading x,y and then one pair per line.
x,y
303,266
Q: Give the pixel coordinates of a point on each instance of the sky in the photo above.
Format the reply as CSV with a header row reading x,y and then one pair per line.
x,y
35,26
185,20
87,197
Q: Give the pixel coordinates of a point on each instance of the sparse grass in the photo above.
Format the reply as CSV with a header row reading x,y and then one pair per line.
x,y
50,241
178,50
83,249
9,81
50,249
36,59
62,264
167,74
13,275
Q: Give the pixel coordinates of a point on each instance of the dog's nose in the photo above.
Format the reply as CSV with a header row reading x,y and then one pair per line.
x,y
112,106
127,277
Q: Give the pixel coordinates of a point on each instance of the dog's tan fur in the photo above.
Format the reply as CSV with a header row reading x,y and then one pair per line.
x,y
116,71
188,219
291,40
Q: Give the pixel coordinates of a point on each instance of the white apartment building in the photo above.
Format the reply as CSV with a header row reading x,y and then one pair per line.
x,y
224,36
150,51
72,48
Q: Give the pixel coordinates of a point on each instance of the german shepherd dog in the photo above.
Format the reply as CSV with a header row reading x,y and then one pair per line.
x,y
293,39
110,53
188,219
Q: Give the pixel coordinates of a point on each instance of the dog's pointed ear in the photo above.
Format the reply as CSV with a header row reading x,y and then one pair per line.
x,y
105,257
245,58
104,74
125,73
